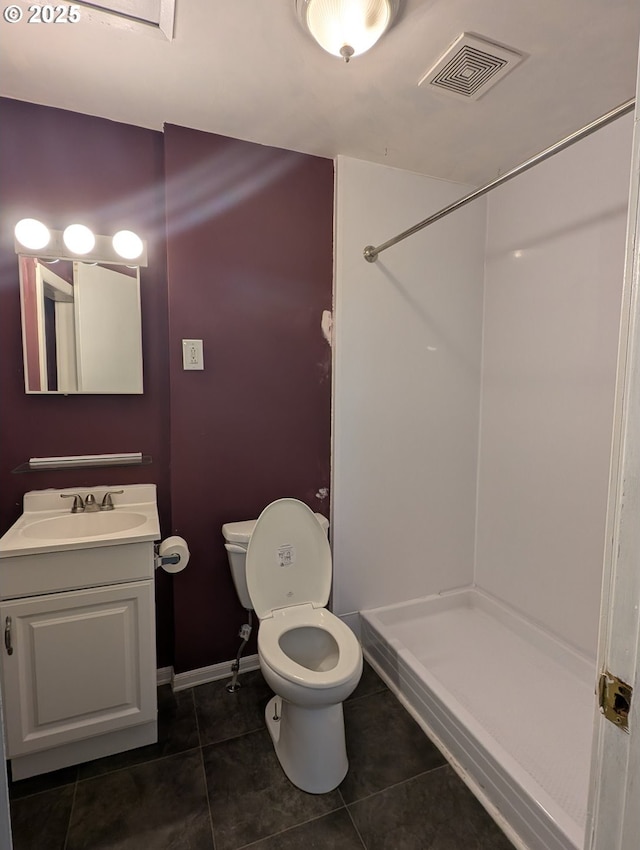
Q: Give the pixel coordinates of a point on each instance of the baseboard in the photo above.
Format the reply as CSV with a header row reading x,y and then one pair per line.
x,y
164,675
213,673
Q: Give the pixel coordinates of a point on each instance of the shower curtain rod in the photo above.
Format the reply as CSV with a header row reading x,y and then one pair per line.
x,y
371,252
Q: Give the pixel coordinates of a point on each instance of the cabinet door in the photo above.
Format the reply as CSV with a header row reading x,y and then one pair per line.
x,y
82,664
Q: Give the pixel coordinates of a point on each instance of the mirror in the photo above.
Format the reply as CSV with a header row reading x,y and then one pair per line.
x,y
81,326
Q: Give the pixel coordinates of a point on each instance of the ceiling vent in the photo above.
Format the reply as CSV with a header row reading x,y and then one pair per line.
x,y
471,66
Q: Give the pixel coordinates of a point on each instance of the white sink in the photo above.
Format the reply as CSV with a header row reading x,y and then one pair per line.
x,y
47,524
73,526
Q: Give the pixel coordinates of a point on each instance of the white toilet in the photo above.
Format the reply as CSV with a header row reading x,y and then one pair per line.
x,y
310,658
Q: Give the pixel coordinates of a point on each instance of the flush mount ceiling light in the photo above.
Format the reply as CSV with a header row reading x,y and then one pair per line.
x,y
346,28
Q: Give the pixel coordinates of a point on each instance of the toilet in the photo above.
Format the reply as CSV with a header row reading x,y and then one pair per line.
x,y
310,659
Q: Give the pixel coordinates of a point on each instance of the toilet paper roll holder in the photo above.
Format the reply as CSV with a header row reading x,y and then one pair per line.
x,y
162,560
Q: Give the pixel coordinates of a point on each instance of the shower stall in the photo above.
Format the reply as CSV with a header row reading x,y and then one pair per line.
x,y
475,378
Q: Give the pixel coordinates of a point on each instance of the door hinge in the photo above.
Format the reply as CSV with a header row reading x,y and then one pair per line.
x,y
614,698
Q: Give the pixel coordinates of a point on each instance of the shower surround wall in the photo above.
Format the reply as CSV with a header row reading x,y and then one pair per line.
x,y
407,388
408,414
553,284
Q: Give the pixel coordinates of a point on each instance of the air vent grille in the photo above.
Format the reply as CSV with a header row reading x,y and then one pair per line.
x,y
471,67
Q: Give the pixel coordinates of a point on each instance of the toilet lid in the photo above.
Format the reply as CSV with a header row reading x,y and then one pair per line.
x,y
288,559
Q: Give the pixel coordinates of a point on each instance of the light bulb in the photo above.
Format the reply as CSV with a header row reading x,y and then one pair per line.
x,y
127,244
31,233
79,239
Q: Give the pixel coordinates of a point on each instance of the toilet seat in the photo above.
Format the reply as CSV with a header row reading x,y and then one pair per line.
x,y
288,571
273,628
288,559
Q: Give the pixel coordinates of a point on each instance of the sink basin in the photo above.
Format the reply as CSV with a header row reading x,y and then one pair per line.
x,y
47,524
76,526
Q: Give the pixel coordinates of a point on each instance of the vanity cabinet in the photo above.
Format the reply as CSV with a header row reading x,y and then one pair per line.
x,y
76,666
78,663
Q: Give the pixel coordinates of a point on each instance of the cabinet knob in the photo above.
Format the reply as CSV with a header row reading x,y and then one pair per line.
x,y
7,636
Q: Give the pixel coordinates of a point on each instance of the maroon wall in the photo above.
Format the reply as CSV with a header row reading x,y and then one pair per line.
x,y
250,271
249,246
63,167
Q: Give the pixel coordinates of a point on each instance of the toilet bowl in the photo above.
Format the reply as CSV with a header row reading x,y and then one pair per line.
x,y
308,656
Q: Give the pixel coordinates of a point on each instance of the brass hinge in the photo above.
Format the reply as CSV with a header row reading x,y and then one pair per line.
x,y
614,698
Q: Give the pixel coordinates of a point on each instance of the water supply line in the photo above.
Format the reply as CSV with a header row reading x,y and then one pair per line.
x,y
244,634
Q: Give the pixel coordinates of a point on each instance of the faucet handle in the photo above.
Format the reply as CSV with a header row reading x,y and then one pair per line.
x,y
78,504
107,501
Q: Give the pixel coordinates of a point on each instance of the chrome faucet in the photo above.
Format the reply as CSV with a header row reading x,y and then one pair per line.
x,y
90,504
107,501
78,503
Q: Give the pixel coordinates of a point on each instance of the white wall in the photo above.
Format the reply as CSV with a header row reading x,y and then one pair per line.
x,y
406,388
554,269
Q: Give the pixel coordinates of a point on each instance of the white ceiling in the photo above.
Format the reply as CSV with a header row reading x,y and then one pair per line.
x,y
245,68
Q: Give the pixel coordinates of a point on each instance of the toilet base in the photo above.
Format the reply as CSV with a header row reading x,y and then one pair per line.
x,y
309,744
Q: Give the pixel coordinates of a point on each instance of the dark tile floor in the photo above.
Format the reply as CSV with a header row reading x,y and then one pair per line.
x,y
212,782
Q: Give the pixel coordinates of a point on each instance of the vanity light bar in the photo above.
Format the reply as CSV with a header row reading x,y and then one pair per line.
x,y
105,249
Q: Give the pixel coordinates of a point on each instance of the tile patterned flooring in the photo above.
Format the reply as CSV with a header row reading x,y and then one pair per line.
x,y
212,782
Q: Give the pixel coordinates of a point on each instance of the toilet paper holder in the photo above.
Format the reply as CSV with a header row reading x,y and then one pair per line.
x,y
164,560
171,554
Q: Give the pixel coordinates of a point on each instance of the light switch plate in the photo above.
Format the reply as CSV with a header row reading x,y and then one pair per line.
x,y
192,354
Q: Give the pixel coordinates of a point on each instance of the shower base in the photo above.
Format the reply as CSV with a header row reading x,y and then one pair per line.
x,y
510,705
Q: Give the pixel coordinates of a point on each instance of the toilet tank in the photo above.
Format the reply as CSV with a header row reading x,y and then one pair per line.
x,y
236,536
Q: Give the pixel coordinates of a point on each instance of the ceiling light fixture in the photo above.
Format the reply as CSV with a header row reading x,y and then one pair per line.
x,y
346,28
